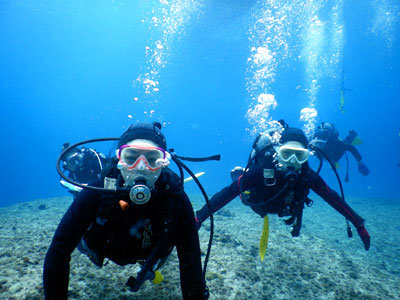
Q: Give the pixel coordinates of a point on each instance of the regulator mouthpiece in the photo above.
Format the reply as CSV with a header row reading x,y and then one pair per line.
x,y
291,175
140,194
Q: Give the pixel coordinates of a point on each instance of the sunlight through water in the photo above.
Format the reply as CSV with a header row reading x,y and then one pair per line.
x,y
385,19
283,30
268,36
321,52
166,23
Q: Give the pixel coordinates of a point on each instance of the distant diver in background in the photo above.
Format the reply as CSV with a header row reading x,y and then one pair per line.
x,y
277,180
84,165
141,225
326,138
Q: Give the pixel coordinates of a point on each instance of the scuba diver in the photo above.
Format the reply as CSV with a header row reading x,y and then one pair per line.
x,y
84,165
142,225
277,180
326,138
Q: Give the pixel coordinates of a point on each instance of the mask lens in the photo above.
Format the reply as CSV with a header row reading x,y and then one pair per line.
x,y
302,155
287,153
152,156
130,154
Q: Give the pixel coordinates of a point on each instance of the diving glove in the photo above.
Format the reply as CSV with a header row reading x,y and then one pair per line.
x,y
236,173
362,168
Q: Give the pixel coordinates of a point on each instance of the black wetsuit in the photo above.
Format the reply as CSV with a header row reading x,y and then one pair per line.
x,y
292,196
143,231
335,149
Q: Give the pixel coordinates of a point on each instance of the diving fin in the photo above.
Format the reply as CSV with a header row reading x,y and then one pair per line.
x,y
264,238
190,178
70,186
342,101
357,141
158,277
155,277
337,165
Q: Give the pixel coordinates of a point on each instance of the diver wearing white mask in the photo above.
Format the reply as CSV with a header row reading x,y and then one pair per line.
x,y
291,155
278,179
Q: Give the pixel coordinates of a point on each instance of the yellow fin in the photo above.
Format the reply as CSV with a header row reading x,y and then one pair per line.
x,y
357,141
158,277
264,238
191,178
337,165
342,101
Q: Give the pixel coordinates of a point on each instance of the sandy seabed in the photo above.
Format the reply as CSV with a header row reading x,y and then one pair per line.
x,y
323,263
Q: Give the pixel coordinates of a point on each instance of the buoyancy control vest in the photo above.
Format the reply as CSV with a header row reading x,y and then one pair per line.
x,y
278,193
142,226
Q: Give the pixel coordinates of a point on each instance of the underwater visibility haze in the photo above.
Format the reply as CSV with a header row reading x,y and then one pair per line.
x,y
214,73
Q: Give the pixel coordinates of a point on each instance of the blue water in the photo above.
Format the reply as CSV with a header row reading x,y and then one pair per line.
x,y
74,70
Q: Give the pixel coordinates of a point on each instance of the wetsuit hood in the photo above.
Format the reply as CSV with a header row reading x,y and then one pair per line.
x,y
294,135
146,131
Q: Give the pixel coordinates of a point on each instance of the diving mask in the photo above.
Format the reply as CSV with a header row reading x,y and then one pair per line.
x,y
142,157
293,153
141,160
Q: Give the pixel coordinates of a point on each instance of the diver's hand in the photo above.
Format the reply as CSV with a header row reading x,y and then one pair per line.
x,y
362,168
352,135
364,235
236,173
